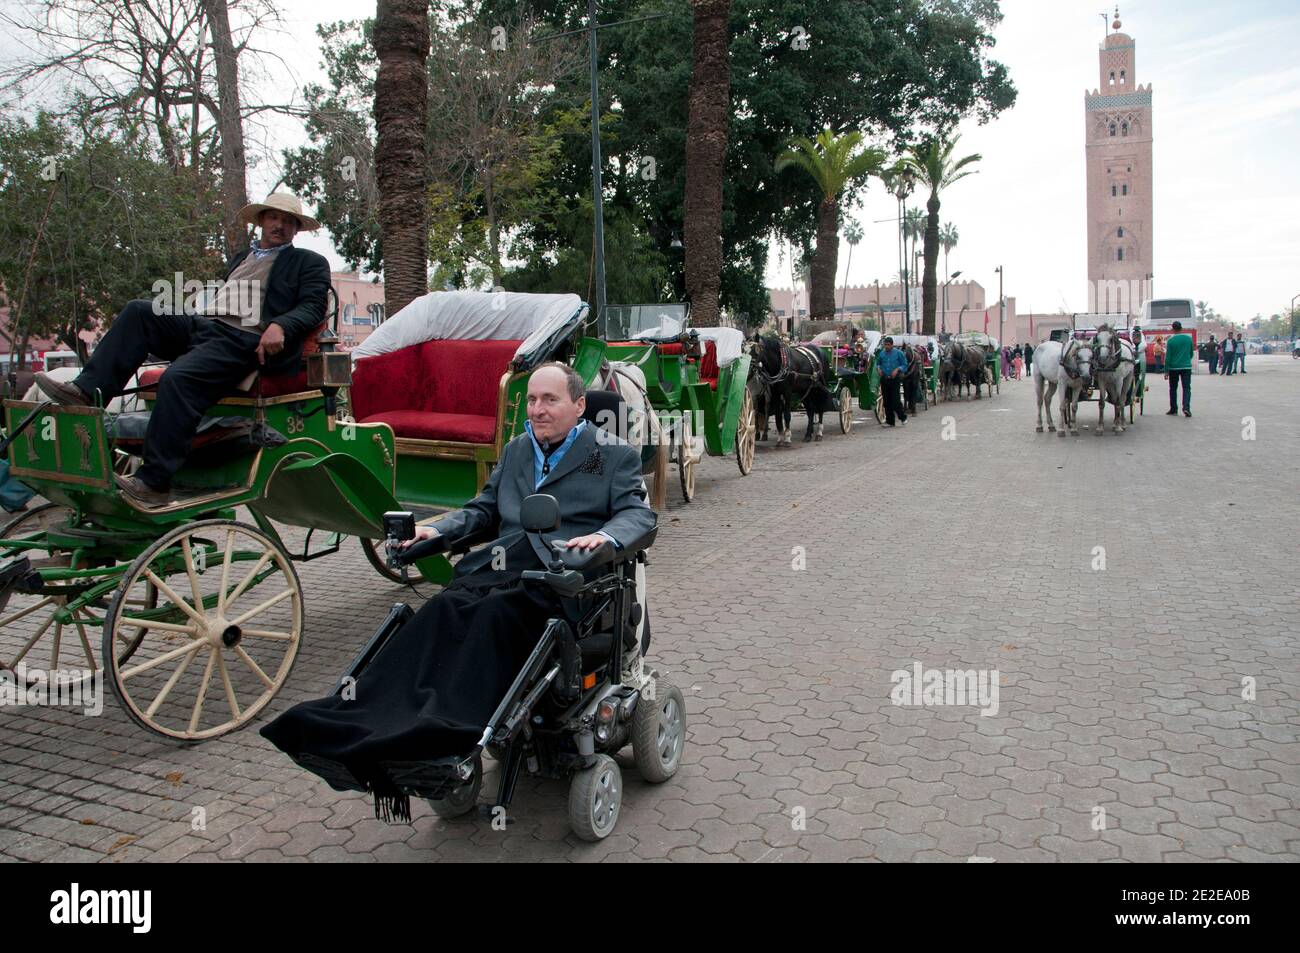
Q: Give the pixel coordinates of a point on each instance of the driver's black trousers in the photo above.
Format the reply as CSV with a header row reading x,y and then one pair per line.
x,y
208,358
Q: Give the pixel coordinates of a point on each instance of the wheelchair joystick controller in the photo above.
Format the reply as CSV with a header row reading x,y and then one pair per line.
x,y
399,526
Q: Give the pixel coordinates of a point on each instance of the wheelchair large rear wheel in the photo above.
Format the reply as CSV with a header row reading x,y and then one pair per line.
x,y
659,733
595,797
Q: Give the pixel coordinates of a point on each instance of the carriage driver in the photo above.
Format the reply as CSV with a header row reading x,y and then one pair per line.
x,y
273,295
893,365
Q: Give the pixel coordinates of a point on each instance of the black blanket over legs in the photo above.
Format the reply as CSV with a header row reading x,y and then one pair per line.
x,y
430,691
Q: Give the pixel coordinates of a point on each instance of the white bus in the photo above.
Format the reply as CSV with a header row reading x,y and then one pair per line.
x,y
1161,313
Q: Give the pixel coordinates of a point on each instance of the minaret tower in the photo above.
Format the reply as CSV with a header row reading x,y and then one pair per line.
x,y
1118,149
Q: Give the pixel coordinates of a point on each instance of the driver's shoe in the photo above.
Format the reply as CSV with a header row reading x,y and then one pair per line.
x,y
62,392
142,492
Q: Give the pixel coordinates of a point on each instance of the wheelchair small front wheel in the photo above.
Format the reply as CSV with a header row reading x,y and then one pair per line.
x,y
659,733
462,800
595,797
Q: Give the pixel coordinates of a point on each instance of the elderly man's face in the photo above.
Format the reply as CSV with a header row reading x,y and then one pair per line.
x,y
278,228
551,411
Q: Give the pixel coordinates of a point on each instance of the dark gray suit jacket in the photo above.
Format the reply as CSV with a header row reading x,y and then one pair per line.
x,y
597,483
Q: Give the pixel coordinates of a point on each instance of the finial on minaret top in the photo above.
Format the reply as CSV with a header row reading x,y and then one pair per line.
x,y
1116,25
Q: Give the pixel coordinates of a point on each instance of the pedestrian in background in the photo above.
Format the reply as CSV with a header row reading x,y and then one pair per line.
x,y
1212,355
1229,356
1178,367
892,364
1029,359
1241,354
1018,362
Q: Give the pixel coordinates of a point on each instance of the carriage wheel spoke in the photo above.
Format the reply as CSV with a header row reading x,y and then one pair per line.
x,y
32,641
247,580
23,612
203,690
229,687
58,644
176,600
195,588
256,610
171,682
160,660
269,634
248,660
85,644
152,624
225,571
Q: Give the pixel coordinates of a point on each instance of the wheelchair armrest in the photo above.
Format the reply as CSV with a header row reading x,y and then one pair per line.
x,y
463,544
583,559
645,542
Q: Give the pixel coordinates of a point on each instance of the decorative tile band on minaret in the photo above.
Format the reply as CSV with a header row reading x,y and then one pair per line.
x,y
1118,152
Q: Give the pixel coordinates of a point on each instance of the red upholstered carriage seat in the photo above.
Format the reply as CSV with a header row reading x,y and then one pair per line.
x,y
436,390
709,369
264,385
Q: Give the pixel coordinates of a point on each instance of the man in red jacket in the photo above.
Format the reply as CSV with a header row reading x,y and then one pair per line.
x,y
273,295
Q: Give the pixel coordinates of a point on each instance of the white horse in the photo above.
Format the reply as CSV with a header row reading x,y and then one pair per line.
x,y
118,405
1067,367
1114,371
643,424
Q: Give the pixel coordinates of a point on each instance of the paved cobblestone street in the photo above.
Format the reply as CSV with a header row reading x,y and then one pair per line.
x,y
1120,701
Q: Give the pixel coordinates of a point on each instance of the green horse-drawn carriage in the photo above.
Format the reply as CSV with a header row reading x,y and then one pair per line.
x,y
695,379
855,375
197,607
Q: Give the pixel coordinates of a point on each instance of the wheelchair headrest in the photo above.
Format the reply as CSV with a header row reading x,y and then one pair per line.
x,y
607,410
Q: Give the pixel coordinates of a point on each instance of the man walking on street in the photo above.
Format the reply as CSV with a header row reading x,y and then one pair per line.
x,y
1241,354
1212,355
1229,355
892,364
1178,366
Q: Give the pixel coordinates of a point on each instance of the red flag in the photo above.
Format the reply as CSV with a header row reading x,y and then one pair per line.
x,y
986,320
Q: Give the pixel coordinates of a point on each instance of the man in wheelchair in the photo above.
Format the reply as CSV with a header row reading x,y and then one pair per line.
x,y
532,653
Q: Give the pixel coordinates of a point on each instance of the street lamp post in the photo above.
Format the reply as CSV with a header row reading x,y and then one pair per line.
x,y
1291,314
1002,305
943,320
904,181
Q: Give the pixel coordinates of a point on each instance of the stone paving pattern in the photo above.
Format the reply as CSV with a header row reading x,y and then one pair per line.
x,y
1120,689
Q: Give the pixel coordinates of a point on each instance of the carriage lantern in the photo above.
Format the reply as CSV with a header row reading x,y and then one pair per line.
x,y
328,369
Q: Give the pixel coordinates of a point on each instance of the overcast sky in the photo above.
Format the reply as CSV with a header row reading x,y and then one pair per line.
x,y
1226,97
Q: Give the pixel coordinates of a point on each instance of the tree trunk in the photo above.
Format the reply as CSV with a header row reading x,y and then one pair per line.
x,y
706,157
401,103
821,296
929,285
234,188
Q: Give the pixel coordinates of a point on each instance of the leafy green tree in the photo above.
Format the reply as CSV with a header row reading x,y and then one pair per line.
x,y
90,219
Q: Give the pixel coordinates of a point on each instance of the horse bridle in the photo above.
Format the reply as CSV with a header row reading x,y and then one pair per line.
x,y
1071,350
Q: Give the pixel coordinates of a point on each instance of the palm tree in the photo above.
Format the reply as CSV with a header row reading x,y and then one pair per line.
x,y
948,239
706,157
852,235
934,166
835,164
913,231
401,38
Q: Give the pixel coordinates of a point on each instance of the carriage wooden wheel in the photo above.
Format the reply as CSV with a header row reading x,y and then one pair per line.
x,y
242,624
846,409
746,433
878,408
687,457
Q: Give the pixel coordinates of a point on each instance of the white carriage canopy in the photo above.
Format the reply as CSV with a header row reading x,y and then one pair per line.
x,y
729,341
540,320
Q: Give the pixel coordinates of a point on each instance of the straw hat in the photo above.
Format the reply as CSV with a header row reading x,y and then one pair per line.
x,y
280,202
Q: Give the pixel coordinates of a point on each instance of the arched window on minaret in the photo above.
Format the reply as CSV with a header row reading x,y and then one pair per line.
x,y
1112,77
1123,129
1112,129
1119,254
1120,233
1121,77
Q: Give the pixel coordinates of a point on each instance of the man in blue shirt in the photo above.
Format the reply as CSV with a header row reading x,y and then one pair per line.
x,y
892,364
